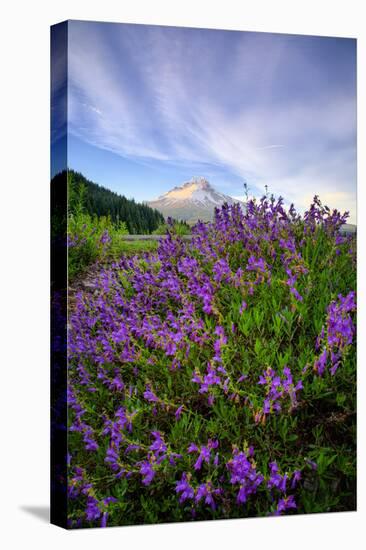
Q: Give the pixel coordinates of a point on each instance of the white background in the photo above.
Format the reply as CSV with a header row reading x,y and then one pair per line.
x,y
24,218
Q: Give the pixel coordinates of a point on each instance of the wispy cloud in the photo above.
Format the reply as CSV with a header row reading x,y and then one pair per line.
x,y
271,147
271,109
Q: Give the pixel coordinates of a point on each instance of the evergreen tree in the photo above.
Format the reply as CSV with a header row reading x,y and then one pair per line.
x,y
98,200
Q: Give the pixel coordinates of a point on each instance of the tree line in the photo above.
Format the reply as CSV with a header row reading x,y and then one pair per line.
x,y
99,201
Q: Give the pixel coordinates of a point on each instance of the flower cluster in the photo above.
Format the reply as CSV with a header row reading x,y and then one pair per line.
x,y
243,472
179,357
205,491
339,333
281,484
158,452
95,508
204,453
278,389
247,480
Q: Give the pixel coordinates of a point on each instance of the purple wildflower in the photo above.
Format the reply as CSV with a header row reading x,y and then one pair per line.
x,y
184,488
150,395
243,472
320,363
296,476
278,389
147,472
207,491
313,465
92,509
204,452
178,412
158,447
285,504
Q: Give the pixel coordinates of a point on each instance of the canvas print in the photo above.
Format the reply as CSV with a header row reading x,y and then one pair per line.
x,y
203,298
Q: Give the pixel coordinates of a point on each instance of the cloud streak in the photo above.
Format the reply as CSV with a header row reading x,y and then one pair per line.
x,y
271,109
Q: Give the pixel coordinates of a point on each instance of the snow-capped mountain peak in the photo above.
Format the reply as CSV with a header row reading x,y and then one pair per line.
x,y
193,200
198,190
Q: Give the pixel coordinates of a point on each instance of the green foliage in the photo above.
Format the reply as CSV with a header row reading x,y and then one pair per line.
x,y
99,201
179,228
130,248
90,238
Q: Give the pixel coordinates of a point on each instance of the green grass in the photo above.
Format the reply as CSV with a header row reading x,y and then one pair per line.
x,y
134,247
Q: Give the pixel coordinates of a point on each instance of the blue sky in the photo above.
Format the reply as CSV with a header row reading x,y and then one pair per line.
x,y
149,107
